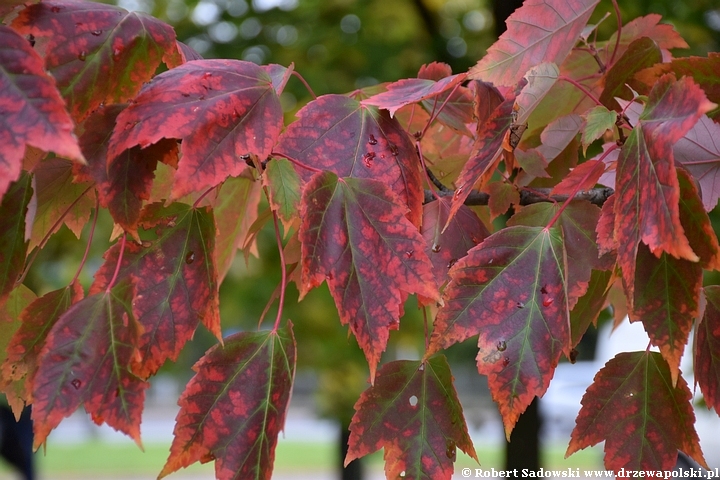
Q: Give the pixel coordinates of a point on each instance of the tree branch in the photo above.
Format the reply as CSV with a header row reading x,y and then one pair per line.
x,y
596,196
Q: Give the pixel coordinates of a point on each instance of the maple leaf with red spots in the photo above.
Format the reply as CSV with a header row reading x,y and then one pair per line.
x,y
86,361
224,111
413,412
644,420
647,192
355,236
511,290
234,408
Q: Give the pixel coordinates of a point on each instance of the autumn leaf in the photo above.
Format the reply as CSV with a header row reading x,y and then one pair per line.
x,y
284,189
234,408
413,412
699,152
707,349
511,290
667,289
37,320
33,111
539,31
649,26
99,54
14,233
598,120
540,79
502,196
633,406
444,248
588,307
86,361
175,277
355,236
341,135
279,75
457,104
583,177
222,110
646,205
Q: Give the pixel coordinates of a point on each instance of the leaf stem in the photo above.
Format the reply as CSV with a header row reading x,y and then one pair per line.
x,y
283,270
119,262
296,162
619,31
425,327
89,242
575,191
580,87
434,114
201,197
50,232
304,82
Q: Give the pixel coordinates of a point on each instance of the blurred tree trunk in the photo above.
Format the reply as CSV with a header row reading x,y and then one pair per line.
x,y
354,470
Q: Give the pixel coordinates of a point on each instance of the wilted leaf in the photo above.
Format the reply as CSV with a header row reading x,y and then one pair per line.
x,y
444,248
414,413
176,284
97,53
511,291
646,207
707,349
539,31
642,418
14,233
86,361
339,134
223,110
32,111
355,236
234,408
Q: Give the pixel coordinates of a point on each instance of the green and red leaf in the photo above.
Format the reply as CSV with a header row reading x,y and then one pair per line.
x,y
355,236
341,135
413,412
176,281
14,232
234,408
33,113
707,349
223,111
644,420
86,361
539,31
98,54
511,290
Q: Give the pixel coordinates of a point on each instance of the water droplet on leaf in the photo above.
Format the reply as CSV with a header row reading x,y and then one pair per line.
x,y
506,361
421,367
116,54
547,302
394,150
31,39
368,159
372,140
82,55
77,383
450,450
543,290
573,355
206,75
435,247
457,193
409,253
97,33
413,401
520,305
501,346
190,257
452,262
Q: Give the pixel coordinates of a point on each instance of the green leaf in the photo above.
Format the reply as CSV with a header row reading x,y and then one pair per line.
x,y
597,121
284,190
14,233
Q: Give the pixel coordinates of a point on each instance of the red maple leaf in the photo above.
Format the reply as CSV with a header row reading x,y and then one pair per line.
x,y
33,111
644,420
539,31
97,53
355,236
341,135
86,361
234,407
646,205
511,291
707,346
413,412
176,284
222,110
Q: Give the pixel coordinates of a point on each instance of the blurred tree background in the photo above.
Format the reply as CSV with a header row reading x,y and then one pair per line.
x,y
339,46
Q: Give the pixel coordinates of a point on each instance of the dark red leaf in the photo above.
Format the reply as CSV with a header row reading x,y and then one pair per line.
x,y
176,281
32,111
646,206
86,361
412,90
97,53
338,134
355,236
582,177
14,233
444,248
641,53
223,110
633,406
605,227
511,291
707,349
37,319
414,413
234,408
539,31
